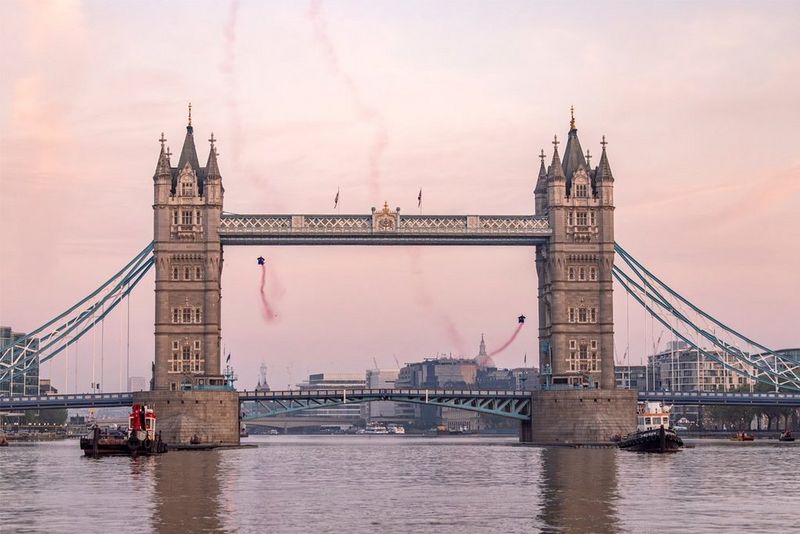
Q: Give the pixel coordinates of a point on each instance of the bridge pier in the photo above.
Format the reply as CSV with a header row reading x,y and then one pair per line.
x,y
212,416
579,416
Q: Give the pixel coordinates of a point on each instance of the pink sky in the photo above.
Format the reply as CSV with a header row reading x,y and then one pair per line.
x,y
698,101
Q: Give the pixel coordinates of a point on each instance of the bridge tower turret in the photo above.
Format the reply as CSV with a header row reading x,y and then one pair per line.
x,y
187,208
576,318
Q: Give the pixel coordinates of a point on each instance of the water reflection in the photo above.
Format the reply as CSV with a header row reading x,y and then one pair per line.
x,y
579,490
187,493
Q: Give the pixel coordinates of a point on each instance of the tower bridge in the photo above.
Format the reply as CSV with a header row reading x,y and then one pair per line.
x,y
571,230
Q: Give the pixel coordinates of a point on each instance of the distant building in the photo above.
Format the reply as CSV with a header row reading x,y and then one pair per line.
x,y
387,411
630,376
681,368
46,388
137,383
262,378
21,382
349,412
483,359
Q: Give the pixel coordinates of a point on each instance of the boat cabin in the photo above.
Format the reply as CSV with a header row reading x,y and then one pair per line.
x,y
652,416
142,419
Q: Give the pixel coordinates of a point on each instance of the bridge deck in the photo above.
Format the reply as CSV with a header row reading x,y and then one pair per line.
x,y
384,228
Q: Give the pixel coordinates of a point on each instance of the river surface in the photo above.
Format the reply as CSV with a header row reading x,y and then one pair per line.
x,y
402,484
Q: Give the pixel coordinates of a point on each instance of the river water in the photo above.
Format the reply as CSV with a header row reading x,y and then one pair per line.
x,y
402,484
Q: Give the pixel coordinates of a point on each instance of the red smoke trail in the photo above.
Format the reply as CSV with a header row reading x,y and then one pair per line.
x,y
505,345
363,112
426,300
266,309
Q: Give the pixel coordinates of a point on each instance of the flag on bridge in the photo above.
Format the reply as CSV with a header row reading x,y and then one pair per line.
x,y
419,198
228,358
336,199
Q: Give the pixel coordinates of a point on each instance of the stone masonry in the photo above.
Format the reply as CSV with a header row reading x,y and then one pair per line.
x,y
212,416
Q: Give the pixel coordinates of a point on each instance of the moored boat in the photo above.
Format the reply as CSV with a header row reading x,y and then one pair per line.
x,y
786,436
3,440
376,428
742,436
653,431
140,438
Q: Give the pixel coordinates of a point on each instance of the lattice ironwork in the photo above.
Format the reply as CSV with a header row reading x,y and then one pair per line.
x,y
385,228
512,404
433,223
345,223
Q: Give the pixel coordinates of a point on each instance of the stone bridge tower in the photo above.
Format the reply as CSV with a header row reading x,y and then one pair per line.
x,y
576,316
188,254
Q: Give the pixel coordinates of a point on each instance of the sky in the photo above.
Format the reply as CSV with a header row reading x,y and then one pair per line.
x,y
379,99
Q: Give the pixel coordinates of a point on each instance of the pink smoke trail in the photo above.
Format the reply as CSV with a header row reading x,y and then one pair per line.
x,y
363,112
228,67
426,300
505,345
266,309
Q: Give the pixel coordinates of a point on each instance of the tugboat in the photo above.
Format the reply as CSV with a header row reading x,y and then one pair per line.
x,y
3,440
742,436
653,431
786,436
139,439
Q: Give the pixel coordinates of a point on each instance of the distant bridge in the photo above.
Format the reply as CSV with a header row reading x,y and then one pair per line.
x,y
505,403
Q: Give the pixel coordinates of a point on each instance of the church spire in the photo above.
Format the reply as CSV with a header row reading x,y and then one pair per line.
x,y
482,349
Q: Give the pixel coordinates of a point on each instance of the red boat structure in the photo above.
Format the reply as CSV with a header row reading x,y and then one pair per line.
x,y
140,438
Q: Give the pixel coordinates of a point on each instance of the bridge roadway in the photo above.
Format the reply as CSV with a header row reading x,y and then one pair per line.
x,y
386,227
514,404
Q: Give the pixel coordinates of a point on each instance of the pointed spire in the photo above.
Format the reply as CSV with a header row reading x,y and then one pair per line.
x,y
541,181
162,166
482,349
189,153
212,169
556,171
603,172
573,153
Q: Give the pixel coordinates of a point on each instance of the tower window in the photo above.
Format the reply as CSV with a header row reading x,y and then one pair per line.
x,y
174,273
197,217
187,273
581,315
571,273
570,218
572,344
186,217
197,273
591,218
581,216
186,189
593,315
174,216
571,313
175,315
580,190
594,344
197,317
581,274
593,274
